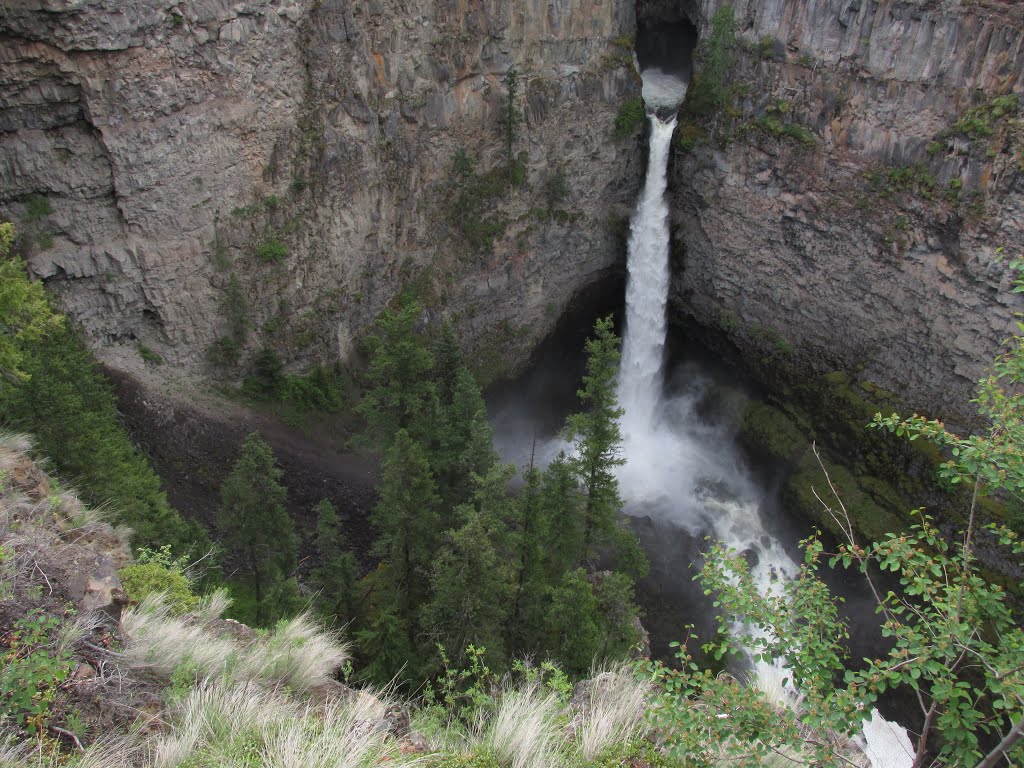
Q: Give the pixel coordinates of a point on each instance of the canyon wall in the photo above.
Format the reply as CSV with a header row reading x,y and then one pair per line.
x,y
835,214
279,170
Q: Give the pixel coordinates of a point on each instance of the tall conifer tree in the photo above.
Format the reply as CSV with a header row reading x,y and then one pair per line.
x,y
256,528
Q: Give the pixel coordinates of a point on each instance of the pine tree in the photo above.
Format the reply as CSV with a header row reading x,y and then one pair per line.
x,y
406,520
574,624
472,577
526,625
336,578
510,120
256,528
387,645
463,440
618,612
562,505
400,392
596,439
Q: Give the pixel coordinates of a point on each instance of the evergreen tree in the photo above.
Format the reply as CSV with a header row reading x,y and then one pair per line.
x,y
562,504
400,393
406,520
573,623
472,578
25,314
510,120
336,578
614,594
51,388
596,440
463,444
526,625
256,528
448,362
387,645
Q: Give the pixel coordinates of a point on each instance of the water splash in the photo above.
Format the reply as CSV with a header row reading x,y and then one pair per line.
x,y
672,471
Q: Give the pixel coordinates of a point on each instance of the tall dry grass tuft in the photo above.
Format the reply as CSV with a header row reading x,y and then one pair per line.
x,y
110,752
344,734
161,642
613,710
213,718
12,446
523,732
212,606
299,654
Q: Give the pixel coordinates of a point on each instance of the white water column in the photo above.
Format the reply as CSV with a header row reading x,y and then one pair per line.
x,y
640,377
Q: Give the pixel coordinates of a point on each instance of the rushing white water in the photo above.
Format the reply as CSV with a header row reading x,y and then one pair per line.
x,y
670,470
640,380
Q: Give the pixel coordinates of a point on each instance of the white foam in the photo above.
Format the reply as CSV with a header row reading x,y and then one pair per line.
x,y
662,90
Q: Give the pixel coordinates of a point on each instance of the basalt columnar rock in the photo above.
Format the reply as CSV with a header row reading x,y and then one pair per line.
x,y
853,202
849,209
149,151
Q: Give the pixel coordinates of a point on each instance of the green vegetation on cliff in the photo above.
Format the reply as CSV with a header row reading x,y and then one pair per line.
x,y
58,395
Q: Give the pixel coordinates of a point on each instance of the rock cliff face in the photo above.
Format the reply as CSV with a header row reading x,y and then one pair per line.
x,y
870,243
157,156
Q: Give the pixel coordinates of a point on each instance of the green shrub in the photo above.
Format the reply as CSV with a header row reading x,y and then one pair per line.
x,y
708,92
324,388
225,351
32,670
688,135
149,356
517,173
37,207
272,250
556,188
143,579
765,48
979,122
630,117
472,196
265,376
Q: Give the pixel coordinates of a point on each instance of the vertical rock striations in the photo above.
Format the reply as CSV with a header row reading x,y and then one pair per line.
x,y
847,208
150,152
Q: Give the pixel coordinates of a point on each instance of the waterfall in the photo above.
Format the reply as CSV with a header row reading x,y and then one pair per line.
x,y
640,378
676,468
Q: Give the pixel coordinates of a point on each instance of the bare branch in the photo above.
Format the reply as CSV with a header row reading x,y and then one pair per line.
x,y
1002,749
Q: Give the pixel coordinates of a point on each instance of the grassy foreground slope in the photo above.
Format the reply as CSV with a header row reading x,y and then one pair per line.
x,y
94,677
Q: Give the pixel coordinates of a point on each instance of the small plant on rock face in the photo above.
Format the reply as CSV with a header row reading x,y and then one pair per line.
x,y
630,117
510,120
37,207
272,250
149,356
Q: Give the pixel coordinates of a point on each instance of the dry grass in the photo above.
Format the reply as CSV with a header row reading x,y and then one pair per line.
x,y
299,654
343,735
524,733
225,724
161,642
211,607
614,710
212,719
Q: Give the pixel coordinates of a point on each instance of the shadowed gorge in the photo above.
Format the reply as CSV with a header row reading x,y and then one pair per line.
x,y
548,355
